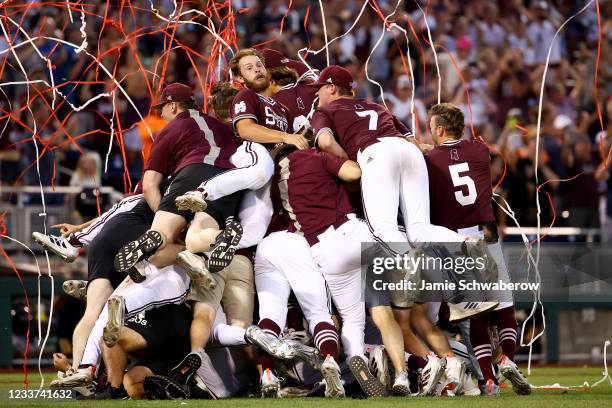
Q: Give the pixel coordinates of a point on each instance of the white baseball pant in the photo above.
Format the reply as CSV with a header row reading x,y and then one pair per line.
x,y
283,262
394,175
338,256
88,234
169,285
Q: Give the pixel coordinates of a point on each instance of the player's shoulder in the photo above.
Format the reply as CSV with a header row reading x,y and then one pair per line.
x,y
245,92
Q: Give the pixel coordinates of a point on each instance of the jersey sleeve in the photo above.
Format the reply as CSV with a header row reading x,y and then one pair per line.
x,y
332,163
320,123
401,127
244,106
161,153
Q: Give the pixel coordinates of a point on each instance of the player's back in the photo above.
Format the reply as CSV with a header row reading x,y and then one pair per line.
x,y
358,123
299,100
460,184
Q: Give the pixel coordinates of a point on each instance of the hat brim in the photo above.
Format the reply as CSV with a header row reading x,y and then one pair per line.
x,y
318,84
158,105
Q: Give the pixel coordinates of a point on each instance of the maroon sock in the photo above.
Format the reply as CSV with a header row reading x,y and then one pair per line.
x,y
415,363
326,339
479,337
263,358
295,317
74,241
506,326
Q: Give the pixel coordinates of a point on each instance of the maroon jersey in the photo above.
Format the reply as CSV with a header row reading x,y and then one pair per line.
x,y
356,124
299,98
192,137
267,112
460,184
307,186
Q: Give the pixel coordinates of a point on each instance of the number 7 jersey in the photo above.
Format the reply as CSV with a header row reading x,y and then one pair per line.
x,y
460,184
356,124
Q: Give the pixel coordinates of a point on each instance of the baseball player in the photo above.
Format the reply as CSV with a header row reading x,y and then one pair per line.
x,y
192,147
460,186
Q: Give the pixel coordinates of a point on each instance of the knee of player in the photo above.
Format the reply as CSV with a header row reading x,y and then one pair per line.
x,y
133,380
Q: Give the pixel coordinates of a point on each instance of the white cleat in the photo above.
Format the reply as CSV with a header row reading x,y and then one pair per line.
x,y
58,245
82,377
75,288
510,371
464,310
268,343
194,201
379,365
470,388
331,374
270,385
116,316
401,386
195,266
455,370
430,375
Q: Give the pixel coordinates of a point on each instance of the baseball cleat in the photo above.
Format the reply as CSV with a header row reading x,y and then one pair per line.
x,y
75,288
270,385
379,365
401,385
464,310
58,245
138,272
470,388
182,373
331,374
510,371
490,389
225,246
309,355
199,390
268,343
136,251
116,316
370,385
455,370
82,377
195,266
194,201
430,375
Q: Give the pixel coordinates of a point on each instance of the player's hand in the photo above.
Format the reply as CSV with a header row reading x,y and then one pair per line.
x,y
66,229
60,362
298,141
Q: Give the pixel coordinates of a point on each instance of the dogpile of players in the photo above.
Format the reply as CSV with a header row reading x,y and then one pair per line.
x,y
235,267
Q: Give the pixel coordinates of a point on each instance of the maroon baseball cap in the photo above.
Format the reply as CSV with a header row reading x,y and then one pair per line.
x,y
336,75
175,92
275,59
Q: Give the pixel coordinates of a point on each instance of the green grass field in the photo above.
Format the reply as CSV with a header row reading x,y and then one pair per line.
x,y
600,396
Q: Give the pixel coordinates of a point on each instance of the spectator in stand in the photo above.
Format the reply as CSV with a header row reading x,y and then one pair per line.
x,y
400,103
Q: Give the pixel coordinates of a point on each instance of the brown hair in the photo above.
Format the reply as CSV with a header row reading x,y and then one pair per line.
x,y
233,64
283,75
344,91
188,105
221,97
450,117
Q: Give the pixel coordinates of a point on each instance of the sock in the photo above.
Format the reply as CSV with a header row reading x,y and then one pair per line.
x,y
295,317
114,392
326,339
415,363
479,337
74,241
263,358
506,324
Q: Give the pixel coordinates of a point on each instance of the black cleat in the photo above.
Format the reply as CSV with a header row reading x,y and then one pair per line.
x,y
162,387
368,382
132,253
225,246
182,373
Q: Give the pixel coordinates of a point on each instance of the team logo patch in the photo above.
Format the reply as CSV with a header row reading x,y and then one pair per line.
x,y
454,154
300,103
240,107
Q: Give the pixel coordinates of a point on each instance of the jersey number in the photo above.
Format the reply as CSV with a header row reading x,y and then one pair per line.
x,y
458,180
373,118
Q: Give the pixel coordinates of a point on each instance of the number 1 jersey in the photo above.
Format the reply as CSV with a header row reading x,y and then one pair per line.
x,y
460,184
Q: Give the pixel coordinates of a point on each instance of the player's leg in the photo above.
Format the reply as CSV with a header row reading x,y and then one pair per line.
x,y
392,338
115,359
202,233
133,381
239,294
255,214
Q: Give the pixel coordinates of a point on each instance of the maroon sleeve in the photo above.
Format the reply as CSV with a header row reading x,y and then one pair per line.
x,y
332,163
244,106
402,128
320,122
161,153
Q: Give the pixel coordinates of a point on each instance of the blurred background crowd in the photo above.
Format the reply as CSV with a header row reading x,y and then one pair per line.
x,y
490,56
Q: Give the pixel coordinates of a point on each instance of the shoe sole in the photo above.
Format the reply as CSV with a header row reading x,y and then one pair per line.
x,y
38,238
196,275
518,385
368,382
72,381
270,391
334,387
472,314
184,203
223,253
75,288
116,316
182,373
135,251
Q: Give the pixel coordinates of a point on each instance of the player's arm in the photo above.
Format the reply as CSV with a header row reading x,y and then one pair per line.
x,y
349,171
250,130
150,188
69,229
327,143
